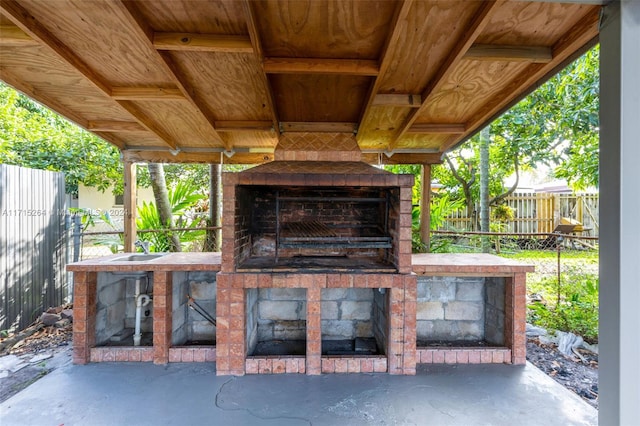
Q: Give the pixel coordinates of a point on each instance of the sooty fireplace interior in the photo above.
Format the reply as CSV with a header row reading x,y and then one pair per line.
x,y
316,228
319,216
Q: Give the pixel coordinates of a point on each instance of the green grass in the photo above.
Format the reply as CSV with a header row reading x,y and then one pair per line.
x,y
571,305
589,256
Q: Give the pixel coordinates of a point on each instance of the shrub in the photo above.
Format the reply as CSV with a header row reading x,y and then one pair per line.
x,y
574,307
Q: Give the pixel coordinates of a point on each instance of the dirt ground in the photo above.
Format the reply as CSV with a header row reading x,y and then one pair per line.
x,y
33,358
573,373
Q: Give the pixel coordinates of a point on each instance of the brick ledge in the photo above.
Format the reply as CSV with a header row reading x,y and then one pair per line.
x,y
463,355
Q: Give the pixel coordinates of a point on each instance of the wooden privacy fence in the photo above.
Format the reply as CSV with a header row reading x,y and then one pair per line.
x,y
32,244
538,212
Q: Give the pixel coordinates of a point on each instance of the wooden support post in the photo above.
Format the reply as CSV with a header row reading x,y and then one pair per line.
x,y
129,206
214,238
425,204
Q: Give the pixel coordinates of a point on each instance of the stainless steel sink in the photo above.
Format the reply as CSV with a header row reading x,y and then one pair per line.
x,y
137,257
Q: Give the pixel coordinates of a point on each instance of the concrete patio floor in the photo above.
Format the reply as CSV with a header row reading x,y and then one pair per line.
x,y
191,394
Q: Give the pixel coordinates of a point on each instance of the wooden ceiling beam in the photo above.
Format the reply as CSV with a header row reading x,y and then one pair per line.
x,y
196,157
397,100
403,158
581,36
473,30
27,23
356,67
497,52
12,36
146,94
115,126
254,36
438,128
138,23
400,15
202,42
148,123
239,126
322,127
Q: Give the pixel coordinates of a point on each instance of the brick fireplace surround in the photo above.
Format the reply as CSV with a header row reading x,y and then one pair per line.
x,y
423,296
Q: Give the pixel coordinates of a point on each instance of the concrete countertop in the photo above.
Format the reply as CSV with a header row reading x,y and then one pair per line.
x,y
466,264
167,262
423,264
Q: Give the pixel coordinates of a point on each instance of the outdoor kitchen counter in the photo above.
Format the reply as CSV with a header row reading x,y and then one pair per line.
x,y
502,291
170,262
466,264
473,264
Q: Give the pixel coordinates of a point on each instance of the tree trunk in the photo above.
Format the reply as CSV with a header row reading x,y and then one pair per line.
x,y
161,195
466,187
484,187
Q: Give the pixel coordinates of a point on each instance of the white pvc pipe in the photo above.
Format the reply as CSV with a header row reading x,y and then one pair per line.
x,y
142,300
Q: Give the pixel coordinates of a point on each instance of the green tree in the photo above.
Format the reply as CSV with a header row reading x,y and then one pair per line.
x,y
35,137
555,126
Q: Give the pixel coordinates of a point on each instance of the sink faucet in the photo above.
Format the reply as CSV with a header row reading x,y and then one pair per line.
x,y
144,245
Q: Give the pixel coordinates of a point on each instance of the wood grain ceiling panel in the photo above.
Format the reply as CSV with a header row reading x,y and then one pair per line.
x,y
63,83
326,98
470,85
230,84
381,124
349,29
102,37
423,45
184,126
189,16
91,47
532,24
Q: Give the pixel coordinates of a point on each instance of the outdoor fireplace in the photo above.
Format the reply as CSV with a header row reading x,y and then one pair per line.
x,y
319,228
316,264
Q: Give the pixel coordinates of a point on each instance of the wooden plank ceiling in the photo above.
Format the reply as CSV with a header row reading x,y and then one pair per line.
x,y
209,81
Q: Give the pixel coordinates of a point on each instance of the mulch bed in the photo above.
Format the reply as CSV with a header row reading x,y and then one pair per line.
x,y
577,375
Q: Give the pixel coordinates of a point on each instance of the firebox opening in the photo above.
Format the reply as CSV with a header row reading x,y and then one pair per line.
x,y
354,321
315,228
276,321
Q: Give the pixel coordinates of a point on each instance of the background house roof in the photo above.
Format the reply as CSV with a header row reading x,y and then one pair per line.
x,y
183,81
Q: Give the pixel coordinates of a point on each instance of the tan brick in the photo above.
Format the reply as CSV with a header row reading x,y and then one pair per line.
x,y
380,365
328,365
341,365
438,357
279,366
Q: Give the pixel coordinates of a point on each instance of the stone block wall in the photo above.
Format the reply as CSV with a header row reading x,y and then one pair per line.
x,y
495,311
116,306
179,309
381,318
187,324
346,313
450,308
282,314
251,310
110,308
